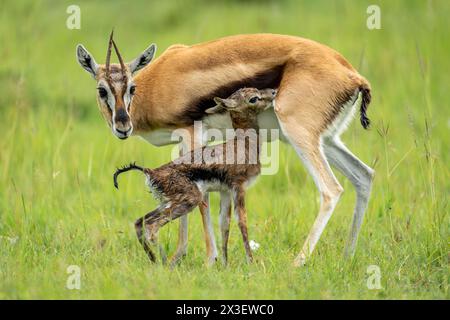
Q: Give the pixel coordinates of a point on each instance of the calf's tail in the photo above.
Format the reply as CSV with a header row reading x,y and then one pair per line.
x,y
131,166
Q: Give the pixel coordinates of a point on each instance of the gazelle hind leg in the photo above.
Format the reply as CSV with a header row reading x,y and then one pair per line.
x,y
211,248
224,222
306,103
308,148
147,232
143,237
360,175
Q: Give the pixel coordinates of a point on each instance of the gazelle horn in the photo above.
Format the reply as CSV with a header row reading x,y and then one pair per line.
x,y
108,54
122,65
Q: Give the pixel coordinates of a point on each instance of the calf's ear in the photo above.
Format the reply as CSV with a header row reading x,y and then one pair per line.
x,y
221,104
217,108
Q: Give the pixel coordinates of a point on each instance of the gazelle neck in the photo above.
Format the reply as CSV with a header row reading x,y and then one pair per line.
x,y
141,110
247,129
244,122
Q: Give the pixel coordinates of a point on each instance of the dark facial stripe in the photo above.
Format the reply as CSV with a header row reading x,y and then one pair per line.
x,y
109,107
111,87
270,78
121,116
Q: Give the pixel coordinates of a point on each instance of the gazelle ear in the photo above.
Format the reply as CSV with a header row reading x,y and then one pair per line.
x,y
143,59
217,108
214,109
86,60
226,103
221,104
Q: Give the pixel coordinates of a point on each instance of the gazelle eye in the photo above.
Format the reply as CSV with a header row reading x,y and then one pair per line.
x,y
102,92
132,90
253,100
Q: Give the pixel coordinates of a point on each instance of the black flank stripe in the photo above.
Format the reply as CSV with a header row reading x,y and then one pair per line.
x,y
270,78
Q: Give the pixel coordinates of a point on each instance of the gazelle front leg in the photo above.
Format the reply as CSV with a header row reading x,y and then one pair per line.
x,y
182,241
190,141
224,221
210,241
239,208
187,143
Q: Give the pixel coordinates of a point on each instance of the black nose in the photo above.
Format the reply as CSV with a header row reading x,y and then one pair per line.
x,y
274,92
121,116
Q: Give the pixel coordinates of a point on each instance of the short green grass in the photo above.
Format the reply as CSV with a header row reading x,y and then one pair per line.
x,y
58,206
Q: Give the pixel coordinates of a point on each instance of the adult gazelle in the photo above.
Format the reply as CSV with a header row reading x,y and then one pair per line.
x,y
318,92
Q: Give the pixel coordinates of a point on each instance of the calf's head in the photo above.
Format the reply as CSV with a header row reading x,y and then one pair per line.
x,y
245,104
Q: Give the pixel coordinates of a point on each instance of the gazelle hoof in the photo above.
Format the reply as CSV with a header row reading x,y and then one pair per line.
x,y
176,259
211,261
300,261
349,252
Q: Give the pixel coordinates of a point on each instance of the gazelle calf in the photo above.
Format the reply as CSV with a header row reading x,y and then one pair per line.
x,y
229,168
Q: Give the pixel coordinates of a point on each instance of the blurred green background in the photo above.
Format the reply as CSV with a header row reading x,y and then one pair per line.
x,y
58,206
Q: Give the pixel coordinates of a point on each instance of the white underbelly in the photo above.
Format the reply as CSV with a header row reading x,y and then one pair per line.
x,y
159,137
210,185
267,120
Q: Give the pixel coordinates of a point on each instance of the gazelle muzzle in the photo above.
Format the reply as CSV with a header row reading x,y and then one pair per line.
x,y
122,126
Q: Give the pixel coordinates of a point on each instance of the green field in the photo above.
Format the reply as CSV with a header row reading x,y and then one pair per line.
x,y
58,206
